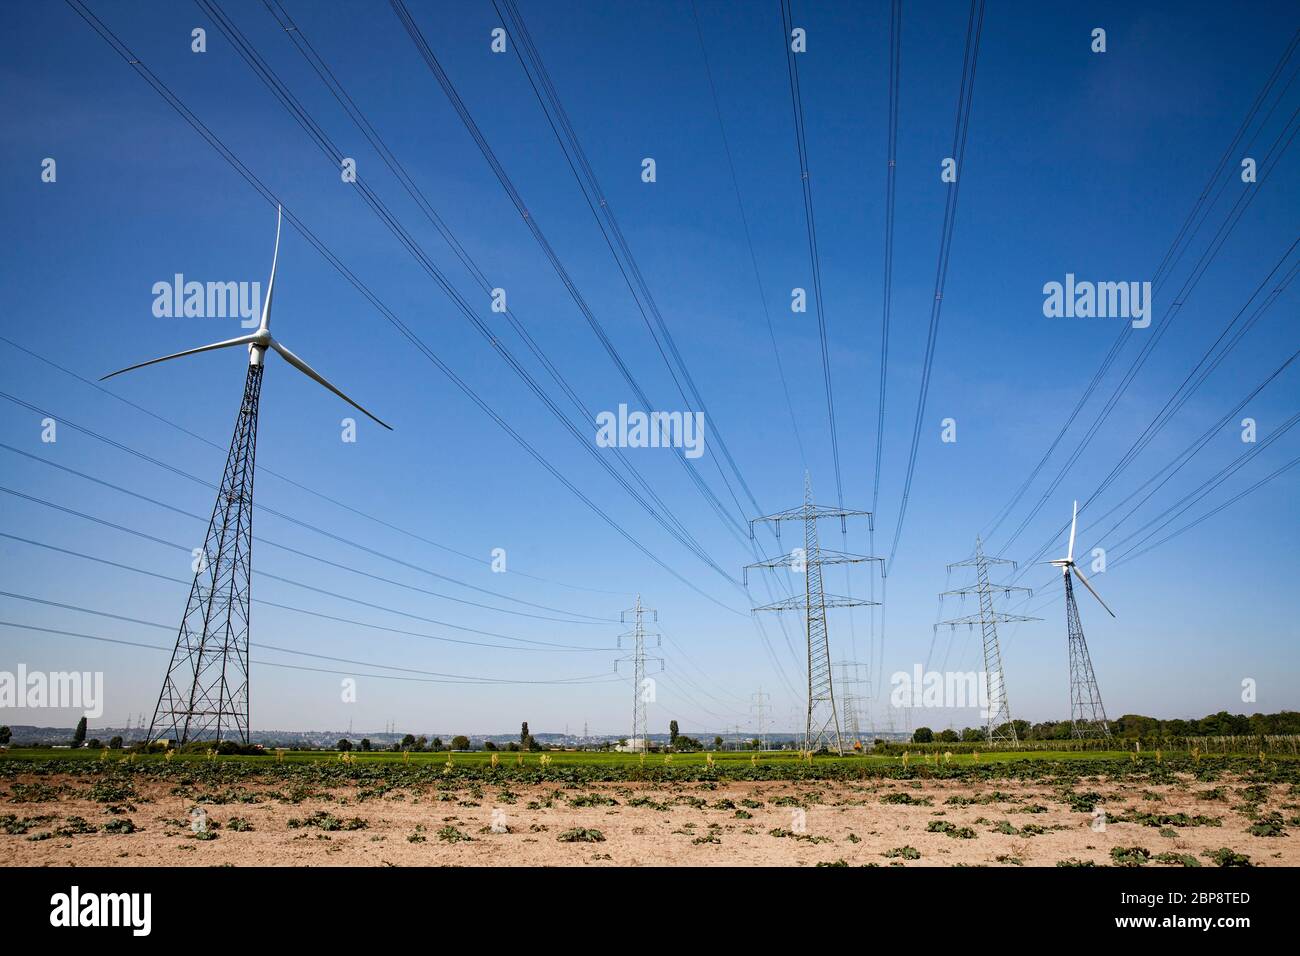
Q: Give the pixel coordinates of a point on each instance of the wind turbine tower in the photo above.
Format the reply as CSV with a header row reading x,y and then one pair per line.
x,y
1087,715
205,692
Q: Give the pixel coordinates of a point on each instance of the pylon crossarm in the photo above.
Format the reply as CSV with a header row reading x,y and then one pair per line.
x,y
1004,589
797,603
1001,617
972,562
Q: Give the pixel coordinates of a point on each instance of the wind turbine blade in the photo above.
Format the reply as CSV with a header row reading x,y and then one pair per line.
x,y
1069,554
228,343
311,373
1079,574
270,286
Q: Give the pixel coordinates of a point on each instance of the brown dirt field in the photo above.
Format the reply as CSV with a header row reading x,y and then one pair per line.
x,y
847,822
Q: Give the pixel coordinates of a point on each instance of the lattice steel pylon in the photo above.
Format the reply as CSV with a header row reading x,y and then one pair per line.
x,y
643,688
822,725
852,700
205,693
759,704
997,707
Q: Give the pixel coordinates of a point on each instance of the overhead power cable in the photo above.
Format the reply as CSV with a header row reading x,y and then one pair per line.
x,y
103,522
965,99
264,509
305,554
810,227
427,680
1170,258
458,104
263,469
145,73
749,239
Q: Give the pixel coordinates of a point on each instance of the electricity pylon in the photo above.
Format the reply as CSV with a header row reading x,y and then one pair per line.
x,y
854,675
759,705
643,688
997,708
822,724
205,691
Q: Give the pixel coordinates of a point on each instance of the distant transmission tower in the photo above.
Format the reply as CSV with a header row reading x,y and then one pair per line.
x,y
854,675
642,686
821,723
999,727
759,705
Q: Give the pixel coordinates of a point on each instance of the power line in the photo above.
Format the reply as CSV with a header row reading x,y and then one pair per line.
x,y
453,96
965,99
749,240
1207,257
1166,264
159,647
274,577
67,423
334,154
895,82
136,64
301,553
264,469
546,93
810,226
1177,400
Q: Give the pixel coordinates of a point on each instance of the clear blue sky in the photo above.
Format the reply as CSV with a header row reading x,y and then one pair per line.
x,y
1076,163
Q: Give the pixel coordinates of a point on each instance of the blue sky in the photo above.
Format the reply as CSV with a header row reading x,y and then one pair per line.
x,y
1076,163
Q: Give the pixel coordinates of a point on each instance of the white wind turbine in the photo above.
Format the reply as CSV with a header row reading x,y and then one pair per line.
x,y
258,342
205,693
1087,714
1068,567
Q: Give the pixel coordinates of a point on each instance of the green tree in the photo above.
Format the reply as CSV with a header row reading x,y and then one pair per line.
x,y
489,745
6,735
344,745
421,742
525,736
717,743
922,735
365,743
115,743
94,744
408,741
437,743
948,736
460,742
79,737
672,732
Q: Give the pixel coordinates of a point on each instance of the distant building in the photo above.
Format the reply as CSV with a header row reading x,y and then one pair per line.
x,y
634,745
